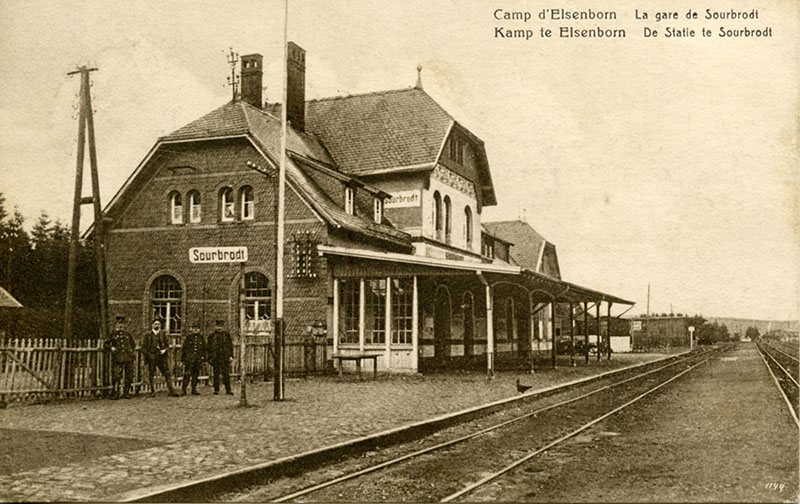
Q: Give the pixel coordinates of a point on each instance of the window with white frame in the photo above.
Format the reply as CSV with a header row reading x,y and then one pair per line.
x,y
257,296
402,306
195,209
349,306
166,298
248,204
378,214
375,311
350,200
487,247
468,226
175,208
226,204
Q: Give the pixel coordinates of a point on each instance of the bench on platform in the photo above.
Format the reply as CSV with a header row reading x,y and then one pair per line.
x,y
358,357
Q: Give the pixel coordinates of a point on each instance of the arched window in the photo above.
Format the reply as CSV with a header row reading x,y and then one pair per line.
x,y
195,210
448,219
175,208
166,298
226,204
468,226
248,203
437,215
257,296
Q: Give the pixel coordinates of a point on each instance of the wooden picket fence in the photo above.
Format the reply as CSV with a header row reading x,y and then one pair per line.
x,y
35,369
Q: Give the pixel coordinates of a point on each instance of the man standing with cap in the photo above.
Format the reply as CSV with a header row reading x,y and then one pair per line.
x,y
193,354
220,355
155,348
122,346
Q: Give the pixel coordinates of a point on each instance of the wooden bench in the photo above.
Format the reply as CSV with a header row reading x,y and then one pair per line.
x,y
358,357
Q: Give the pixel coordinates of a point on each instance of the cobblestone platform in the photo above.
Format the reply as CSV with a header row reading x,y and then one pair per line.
x,y
199,436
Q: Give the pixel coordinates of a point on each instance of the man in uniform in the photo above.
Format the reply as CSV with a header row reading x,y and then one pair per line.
x,y
193,354
220,355
154,347
122,346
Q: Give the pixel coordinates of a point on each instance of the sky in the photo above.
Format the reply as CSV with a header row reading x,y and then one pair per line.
x,y
664,161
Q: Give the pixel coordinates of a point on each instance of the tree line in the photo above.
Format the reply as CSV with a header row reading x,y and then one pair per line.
x,y
33,269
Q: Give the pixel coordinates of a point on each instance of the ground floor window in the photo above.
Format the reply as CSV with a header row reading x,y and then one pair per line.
x,y
167,303
257,296
349,307
402,319
375,311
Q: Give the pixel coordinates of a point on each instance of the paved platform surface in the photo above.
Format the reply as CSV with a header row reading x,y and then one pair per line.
x,y
721,433
165,440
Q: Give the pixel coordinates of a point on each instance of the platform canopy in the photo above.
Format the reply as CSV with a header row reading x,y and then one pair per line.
x,y
542,288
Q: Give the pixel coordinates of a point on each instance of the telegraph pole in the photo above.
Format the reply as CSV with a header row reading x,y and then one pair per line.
x,y
86,124
279,326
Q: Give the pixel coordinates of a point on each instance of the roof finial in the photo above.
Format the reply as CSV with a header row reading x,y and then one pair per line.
x,y
419,76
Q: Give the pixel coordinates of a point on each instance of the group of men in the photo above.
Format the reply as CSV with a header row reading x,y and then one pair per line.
x,y
195,350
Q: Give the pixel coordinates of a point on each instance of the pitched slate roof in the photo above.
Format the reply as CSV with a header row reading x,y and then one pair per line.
x,y
7,300
238,118
528,244
381,130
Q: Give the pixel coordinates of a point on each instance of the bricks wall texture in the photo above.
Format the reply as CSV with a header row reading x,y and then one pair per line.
x,y
143,244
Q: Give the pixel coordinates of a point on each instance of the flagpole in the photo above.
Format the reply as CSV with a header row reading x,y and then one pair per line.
x,y
278,390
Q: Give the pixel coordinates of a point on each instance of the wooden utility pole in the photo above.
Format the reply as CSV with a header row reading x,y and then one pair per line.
x,y
278,392
86,125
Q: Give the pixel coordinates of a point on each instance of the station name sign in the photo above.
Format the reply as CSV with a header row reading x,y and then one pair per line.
x,y
205,255
403,199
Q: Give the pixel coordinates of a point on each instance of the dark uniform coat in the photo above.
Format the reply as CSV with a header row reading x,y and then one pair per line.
x,y
193,349
220,351
220,347
122,347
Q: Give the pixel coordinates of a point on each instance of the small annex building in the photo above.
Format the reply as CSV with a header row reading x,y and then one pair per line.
x,y
385,247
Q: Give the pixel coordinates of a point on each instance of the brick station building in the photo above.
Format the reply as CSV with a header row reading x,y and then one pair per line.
x,y
385,247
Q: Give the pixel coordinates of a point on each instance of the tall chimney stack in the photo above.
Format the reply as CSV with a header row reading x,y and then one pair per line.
x,y
252,78
296,86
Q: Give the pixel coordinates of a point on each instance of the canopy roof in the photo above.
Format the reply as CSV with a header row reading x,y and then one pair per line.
x,y
541,287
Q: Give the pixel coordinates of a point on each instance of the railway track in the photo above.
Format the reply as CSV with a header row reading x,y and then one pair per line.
x,y
785,370
452,464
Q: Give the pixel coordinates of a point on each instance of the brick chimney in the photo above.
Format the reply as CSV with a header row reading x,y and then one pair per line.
x,y
296,86
252,77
